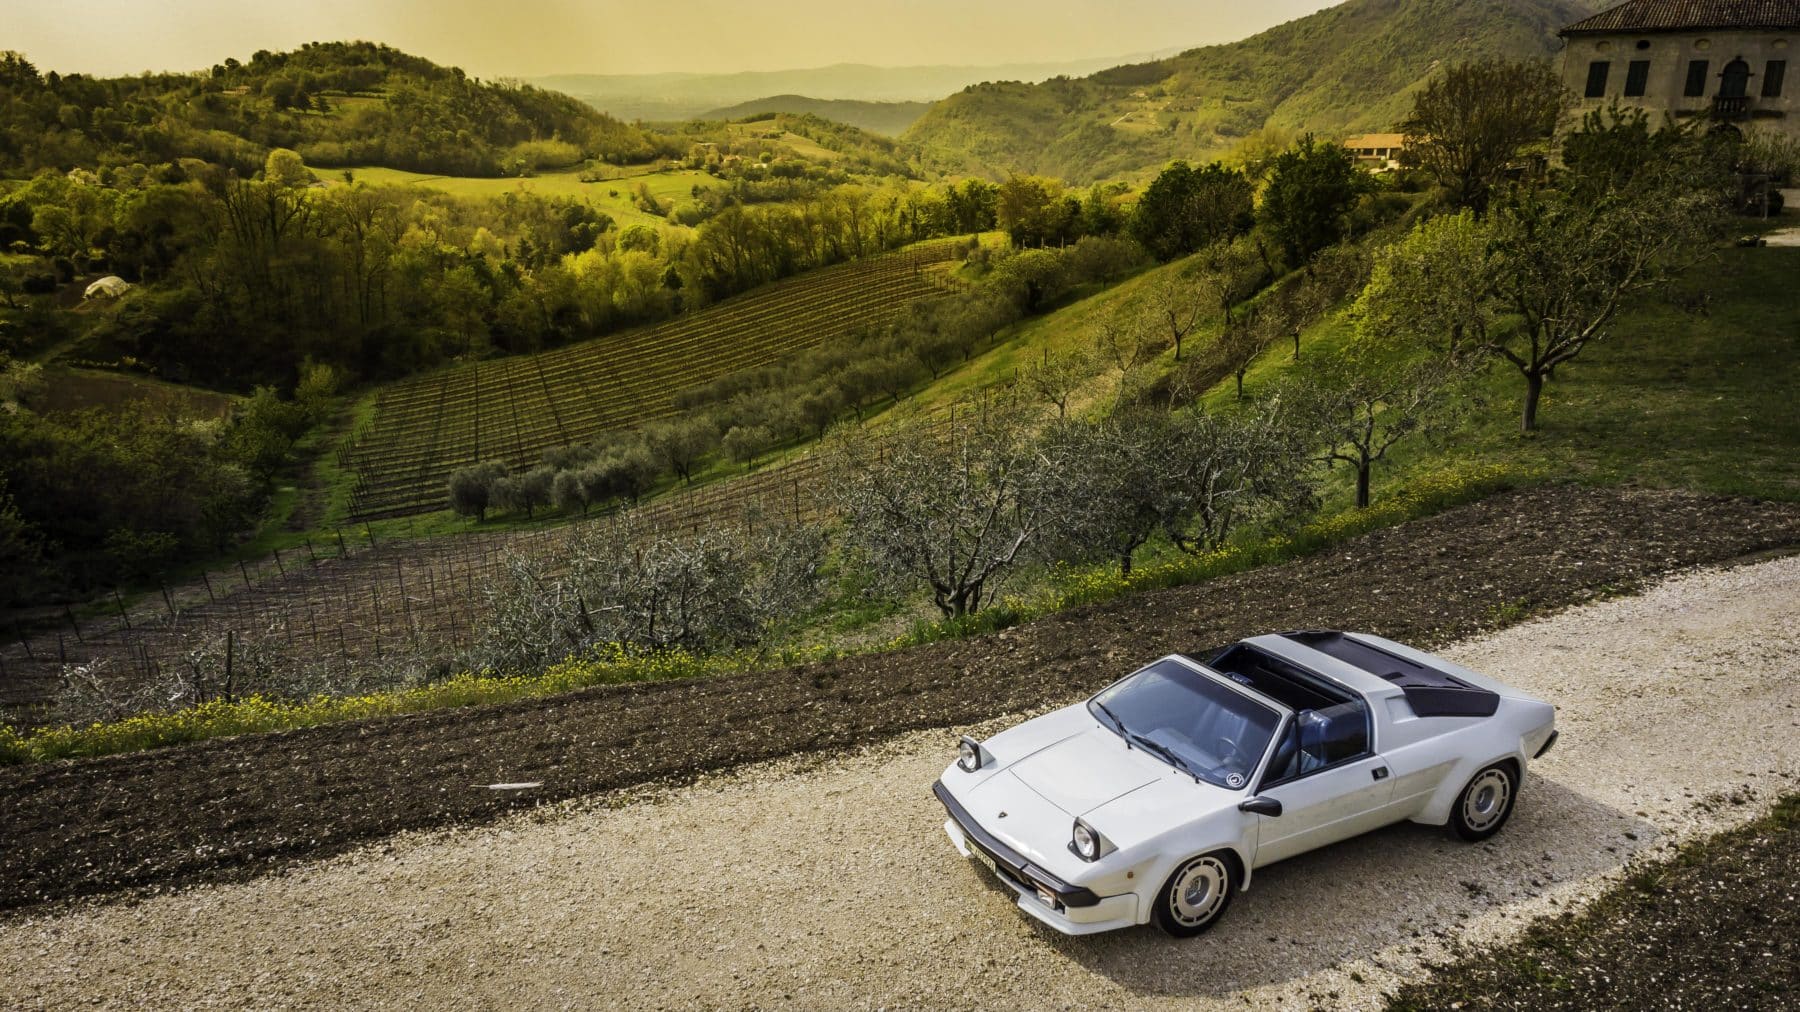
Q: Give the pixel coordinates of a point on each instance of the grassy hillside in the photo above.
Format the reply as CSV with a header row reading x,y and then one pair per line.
x,y
337,103
1675,398
1348,68
889,118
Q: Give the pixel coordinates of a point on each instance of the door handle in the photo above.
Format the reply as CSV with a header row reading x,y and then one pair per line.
x,y
1381,772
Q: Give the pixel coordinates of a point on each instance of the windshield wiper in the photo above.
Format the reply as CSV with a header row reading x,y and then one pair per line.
x,y
1117,723
1168,755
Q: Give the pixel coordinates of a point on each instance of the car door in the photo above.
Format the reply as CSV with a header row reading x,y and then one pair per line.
x,y
1331,783
1324,807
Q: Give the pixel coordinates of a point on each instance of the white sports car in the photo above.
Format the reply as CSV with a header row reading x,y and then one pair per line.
x,y
1155,799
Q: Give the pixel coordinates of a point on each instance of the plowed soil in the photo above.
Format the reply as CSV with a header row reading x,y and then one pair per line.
x,y
239,807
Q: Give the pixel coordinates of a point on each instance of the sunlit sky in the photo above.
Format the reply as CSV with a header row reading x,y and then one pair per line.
x,y
494,38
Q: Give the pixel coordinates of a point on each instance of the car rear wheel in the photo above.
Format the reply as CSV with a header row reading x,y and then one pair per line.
x,y
1486,803
1196,895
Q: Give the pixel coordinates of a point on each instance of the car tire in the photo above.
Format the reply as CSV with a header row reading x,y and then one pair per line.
x,y
1486,802
1196,894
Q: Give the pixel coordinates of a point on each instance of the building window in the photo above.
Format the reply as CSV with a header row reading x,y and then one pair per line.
x,y
1637,75
1696,82
1772,76
1597,71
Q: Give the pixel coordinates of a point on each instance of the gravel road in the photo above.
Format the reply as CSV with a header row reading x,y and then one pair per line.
x,y
826,881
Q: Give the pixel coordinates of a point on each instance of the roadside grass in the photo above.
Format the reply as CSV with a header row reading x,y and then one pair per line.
x,y
609,665
1724,903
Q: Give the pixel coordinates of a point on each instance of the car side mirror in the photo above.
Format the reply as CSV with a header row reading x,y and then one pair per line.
x,y
1260,806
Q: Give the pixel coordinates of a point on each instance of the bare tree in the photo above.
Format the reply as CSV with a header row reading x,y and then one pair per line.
x,y
1053,379
1178,304
950,509
1127,341
1362,409
1244,340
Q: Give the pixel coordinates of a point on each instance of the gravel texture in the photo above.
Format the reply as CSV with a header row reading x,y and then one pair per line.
x,y
826,881
236,808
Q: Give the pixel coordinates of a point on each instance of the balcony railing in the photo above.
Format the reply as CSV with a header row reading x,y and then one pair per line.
x,y
1731,108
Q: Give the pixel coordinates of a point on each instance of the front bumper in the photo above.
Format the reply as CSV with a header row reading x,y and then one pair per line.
x,y
1070,909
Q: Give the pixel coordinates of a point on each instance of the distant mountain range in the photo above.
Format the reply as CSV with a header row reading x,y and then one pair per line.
x,y
687,96
1348,68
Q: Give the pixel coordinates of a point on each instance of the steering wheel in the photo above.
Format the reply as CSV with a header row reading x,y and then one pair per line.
x,y
1232,751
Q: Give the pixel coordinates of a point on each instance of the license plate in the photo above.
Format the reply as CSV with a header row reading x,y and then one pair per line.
x,y
981,858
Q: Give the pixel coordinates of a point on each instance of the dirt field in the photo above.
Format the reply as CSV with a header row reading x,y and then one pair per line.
x,y
235,808
827,882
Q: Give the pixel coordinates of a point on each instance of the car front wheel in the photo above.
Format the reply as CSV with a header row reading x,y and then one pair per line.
x,y
1196,895
1486,803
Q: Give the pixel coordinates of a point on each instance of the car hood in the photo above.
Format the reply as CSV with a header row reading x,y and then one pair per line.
x,y
1086,770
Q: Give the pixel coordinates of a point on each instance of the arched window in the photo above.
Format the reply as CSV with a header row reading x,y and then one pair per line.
x,y
1734,81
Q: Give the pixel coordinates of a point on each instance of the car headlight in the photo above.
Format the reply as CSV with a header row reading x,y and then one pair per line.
x,y
969,755
1086,842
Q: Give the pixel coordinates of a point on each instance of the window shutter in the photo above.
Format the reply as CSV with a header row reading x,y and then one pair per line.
x,y
1637,77
1777,70
1596,83
1696,82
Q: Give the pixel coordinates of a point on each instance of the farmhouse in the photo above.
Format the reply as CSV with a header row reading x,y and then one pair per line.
x,y
1723,59
1381,151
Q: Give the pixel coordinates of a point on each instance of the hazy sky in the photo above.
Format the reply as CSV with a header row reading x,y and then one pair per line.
x,y
493,38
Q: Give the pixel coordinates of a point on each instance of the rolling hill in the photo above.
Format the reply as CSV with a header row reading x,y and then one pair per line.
x,y
1348,68
337,103
888,118
678,96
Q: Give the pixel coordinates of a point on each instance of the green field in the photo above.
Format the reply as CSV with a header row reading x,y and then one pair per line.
x,y
612,195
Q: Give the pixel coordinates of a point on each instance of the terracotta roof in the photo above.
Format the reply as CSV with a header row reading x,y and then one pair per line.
x,y
1691,15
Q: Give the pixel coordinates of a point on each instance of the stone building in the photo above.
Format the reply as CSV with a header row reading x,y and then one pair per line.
x,y
1727,59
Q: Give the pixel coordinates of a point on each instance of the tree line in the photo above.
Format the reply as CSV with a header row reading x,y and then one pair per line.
x,y
337,103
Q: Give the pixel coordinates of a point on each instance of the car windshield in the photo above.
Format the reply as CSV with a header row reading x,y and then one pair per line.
x,y
1197,724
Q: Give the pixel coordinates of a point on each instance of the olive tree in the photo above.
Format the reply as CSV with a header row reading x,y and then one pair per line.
x,y
1193,476
679,443
950,508
1362,406
621,580
1055,378
471,490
